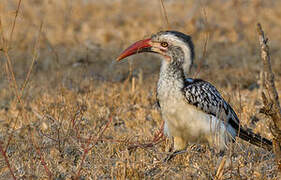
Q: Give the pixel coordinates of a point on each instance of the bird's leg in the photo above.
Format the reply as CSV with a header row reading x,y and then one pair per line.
x,y
179,148
179,143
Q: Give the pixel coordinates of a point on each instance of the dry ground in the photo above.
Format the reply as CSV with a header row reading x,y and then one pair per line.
x,y
76,89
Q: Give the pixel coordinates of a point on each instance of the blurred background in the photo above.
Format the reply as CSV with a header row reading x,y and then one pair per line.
x,y
75,52
94,32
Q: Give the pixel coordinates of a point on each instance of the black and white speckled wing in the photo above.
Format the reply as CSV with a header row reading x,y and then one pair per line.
x,y
206,97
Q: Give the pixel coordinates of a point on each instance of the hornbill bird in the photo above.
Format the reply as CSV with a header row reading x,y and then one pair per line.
x,y
193,109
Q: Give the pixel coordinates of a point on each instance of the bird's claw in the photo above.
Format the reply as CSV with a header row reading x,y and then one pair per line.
x,y
172,155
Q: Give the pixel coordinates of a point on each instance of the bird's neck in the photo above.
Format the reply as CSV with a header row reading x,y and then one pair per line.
x,y
171,71
171,80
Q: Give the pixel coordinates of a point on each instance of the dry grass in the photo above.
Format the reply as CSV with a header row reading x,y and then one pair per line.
x,y
75,90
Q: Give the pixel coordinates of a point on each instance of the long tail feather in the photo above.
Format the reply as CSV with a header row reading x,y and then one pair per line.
x,y
255,139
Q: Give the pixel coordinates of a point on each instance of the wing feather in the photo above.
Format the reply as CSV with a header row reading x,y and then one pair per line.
x,y
206,97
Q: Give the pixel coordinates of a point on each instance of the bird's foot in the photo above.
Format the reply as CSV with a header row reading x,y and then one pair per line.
x,y
172,155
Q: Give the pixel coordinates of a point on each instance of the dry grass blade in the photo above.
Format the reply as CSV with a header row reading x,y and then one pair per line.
x,y
271,103
220,170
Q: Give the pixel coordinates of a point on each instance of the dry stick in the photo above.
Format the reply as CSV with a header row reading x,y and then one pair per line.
x,y
203,55
205,44
34,143
8,63
13,128
10,73
79,113
269,76
9,69
2,36
158,137
17,116
7,161
271,103
19,112
14,22
34,58
160,134
48,172
134,145
38,151
28,76
165,14
87,148
137,144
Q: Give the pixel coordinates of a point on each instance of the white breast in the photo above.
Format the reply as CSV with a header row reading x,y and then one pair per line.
x,y
183,120
193,125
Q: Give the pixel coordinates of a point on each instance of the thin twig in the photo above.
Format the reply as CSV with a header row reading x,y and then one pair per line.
x,y
2,36
14,22
158,138
48,172
9,68
205,45
13,83
7,161
10,73
34,58
165,14
87,148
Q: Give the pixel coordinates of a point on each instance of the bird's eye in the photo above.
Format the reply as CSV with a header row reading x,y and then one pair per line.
x,y
164,44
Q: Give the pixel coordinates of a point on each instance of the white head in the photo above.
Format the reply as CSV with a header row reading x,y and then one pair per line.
x,y
175,47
